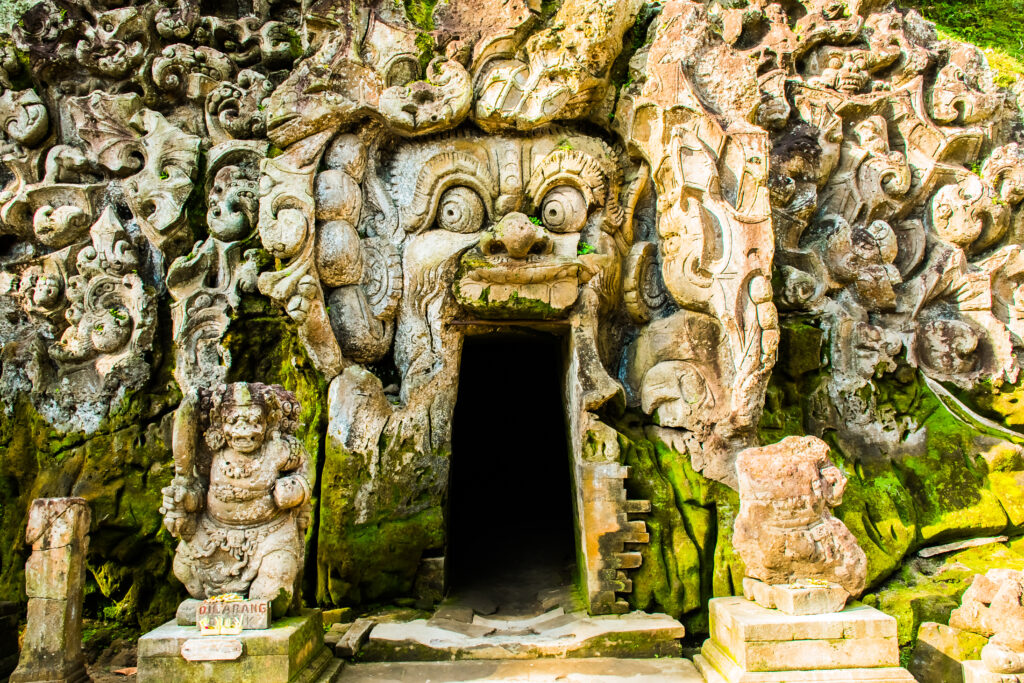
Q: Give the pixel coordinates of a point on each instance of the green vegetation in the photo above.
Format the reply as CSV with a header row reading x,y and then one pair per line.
x,y
993,25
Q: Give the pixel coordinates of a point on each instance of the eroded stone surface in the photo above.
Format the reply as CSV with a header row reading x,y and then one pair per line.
x,y
785,531
628,635
58,531
993,606
589,670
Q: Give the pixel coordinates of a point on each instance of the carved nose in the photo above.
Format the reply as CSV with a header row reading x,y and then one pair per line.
x,y
517,237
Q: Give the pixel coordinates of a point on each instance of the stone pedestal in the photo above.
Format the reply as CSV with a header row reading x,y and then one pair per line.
x,y
58,531
292,650
977,672
751,644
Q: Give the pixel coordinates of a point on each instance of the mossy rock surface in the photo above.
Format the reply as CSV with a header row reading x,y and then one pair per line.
x,y
928,590
690,557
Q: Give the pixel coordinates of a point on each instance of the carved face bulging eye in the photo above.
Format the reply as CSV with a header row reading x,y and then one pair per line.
x,y
460,210
564,209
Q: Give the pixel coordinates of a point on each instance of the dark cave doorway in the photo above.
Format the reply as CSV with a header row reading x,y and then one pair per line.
x,y
510,499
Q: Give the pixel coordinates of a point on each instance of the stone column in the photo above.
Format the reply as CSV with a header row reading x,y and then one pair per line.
x,y
58,530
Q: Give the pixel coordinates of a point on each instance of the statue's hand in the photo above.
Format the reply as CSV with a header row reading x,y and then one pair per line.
x,y
180,501
290,491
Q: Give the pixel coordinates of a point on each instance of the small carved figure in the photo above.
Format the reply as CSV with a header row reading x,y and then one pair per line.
x,y
239,500
785,531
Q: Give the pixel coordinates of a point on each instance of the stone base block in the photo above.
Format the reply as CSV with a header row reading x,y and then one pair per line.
x,y
292,650
751,644
799,598
977,672
70,673
555,634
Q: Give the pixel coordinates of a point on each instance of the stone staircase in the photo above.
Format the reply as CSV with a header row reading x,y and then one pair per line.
x,y
611,537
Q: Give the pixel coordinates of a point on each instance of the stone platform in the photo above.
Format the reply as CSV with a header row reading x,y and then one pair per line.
x,y
553,634
751,644
292,650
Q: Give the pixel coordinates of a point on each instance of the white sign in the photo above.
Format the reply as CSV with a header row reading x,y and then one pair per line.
x,y
211,649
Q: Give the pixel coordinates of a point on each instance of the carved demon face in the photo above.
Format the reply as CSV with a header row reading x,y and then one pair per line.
x,y
845,69
536,217
233,204
244,427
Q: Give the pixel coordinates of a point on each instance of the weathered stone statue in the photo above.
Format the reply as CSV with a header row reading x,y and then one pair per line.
x,y
785,532
239,501
802,565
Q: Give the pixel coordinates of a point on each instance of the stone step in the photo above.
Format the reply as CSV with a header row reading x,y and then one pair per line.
x,y
587,670
633,635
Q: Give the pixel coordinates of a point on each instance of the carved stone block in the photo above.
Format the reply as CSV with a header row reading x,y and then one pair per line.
x,y
749,643
291,649
58,531
785,531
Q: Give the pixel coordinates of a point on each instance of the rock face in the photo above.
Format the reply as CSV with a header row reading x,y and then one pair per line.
x,y
785,531
994,606
332,196
239,501
58,531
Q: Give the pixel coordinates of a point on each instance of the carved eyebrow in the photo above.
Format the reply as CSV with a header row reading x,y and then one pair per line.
x,y
438,174
569,167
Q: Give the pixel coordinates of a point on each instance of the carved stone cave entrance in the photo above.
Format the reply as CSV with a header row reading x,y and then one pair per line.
x,y
511,529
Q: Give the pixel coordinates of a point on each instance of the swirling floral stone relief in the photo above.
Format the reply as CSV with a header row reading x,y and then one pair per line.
x,y
392,186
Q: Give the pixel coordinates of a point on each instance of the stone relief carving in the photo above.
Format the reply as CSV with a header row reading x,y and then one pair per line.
x,y
393,189
239,501
206,284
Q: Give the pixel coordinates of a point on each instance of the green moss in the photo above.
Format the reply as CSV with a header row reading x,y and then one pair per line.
x,y
930,589
425,44
516,306
399,509
1004,404
879,511
119,470
421,13
948,481
690,557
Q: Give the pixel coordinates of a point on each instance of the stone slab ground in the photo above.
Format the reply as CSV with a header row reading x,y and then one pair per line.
x,y
593,670
554,634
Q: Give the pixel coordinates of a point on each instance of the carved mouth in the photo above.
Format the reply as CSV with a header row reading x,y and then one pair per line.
x,y
850,84
277,121
510,288
513,272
